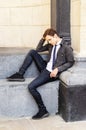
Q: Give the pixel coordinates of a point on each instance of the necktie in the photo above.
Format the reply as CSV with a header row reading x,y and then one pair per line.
x,y
54,52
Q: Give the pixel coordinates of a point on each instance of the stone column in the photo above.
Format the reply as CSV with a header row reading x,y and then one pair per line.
x,y
60,18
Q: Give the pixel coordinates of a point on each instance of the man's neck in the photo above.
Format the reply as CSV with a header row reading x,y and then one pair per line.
x,y
58,41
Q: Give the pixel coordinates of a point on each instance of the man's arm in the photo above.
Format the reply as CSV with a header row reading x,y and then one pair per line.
x,y
69,60
41,47
66,65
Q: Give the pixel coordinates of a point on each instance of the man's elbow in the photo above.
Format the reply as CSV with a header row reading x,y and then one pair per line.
x,y
72,63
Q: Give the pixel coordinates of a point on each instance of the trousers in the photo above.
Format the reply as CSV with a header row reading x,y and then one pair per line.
x,y
30,57
43,77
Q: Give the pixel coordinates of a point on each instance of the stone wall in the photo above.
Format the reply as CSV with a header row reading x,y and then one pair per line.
x,y
22,22
78,26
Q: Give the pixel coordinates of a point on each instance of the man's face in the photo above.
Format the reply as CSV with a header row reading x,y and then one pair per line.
x,y
51,39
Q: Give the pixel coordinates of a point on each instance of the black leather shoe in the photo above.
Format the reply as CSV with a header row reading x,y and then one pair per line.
x,y
41,114
16,77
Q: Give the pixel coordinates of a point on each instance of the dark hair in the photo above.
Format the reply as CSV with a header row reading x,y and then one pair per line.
x,y
50,32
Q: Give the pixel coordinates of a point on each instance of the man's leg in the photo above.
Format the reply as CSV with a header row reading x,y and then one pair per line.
x,y
31,56
43,78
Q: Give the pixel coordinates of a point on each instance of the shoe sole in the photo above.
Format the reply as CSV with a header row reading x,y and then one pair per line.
x,y
44,116
21,80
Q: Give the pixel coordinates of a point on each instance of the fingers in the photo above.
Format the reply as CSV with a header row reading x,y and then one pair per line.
x,y
52,75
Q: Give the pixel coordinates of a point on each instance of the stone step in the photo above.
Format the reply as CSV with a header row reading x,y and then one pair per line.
x,y
16,101
12,58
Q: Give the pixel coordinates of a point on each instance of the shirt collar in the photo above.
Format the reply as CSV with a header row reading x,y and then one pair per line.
x,y
58,43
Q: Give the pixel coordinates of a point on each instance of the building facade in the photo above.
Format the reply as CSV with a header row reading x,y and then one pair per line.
x,y
22,22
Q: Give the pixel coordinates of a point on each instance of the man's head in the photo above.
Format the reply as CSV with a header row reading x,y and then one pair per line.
x,y
51,36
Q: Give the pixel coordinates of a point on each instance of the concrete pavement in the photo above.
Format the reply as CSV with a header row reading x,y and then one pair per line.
x,y
49,123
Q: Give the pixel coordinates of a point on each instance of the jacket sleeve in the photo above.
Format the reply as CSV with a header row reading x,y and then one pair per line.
x,y
41,47
69,59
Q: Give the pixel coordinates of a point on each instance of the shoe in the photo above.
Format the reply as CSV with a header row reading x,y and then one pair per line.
x,y
41,114
16,77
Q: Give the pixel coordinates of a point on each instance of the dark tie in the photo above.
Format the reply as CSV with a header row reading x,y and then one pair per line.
x,y
54,52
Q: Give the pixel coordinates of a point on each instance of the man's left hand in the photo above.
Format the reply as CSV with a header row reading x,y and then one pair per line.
x,y
54,72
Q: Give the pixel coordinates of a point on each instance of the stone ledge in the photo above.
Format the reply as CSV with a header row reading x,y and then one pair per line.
x,y
16,101
75,75
12,58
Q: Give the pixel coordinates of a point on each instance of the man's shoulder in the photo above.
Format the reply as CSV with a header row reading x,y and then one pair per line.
x,y
66,46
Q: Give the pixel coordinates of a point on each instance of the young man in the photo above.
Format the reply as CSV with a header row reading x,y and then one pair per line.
x,y
60,59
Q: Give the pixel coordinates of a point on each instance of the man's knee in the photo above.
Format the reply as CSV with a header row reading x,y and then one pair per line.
x,y
30,89
32,52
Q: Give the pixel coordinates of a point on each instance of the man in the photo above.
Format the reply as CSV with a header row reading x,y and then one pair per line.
x,y
60,59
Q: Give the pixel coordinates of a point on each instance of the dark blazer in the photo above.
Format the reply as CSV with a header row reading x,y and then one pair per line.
x,y
65,58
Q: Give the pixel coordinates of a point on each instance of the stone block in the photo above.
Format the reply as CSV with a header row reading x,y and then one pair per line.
x,y
72,92
72,102
22,16
75,9
31,2
4,16
11,64
39,17
10,36
11,60
27,33
16,101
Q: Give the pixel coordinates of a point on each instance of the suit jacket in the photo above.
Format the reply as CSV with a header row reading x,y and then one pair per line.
x,y
65,58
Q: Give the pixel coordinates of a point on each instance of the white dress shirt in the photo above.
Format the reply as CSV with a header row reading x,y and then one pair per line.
x,y
49,64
